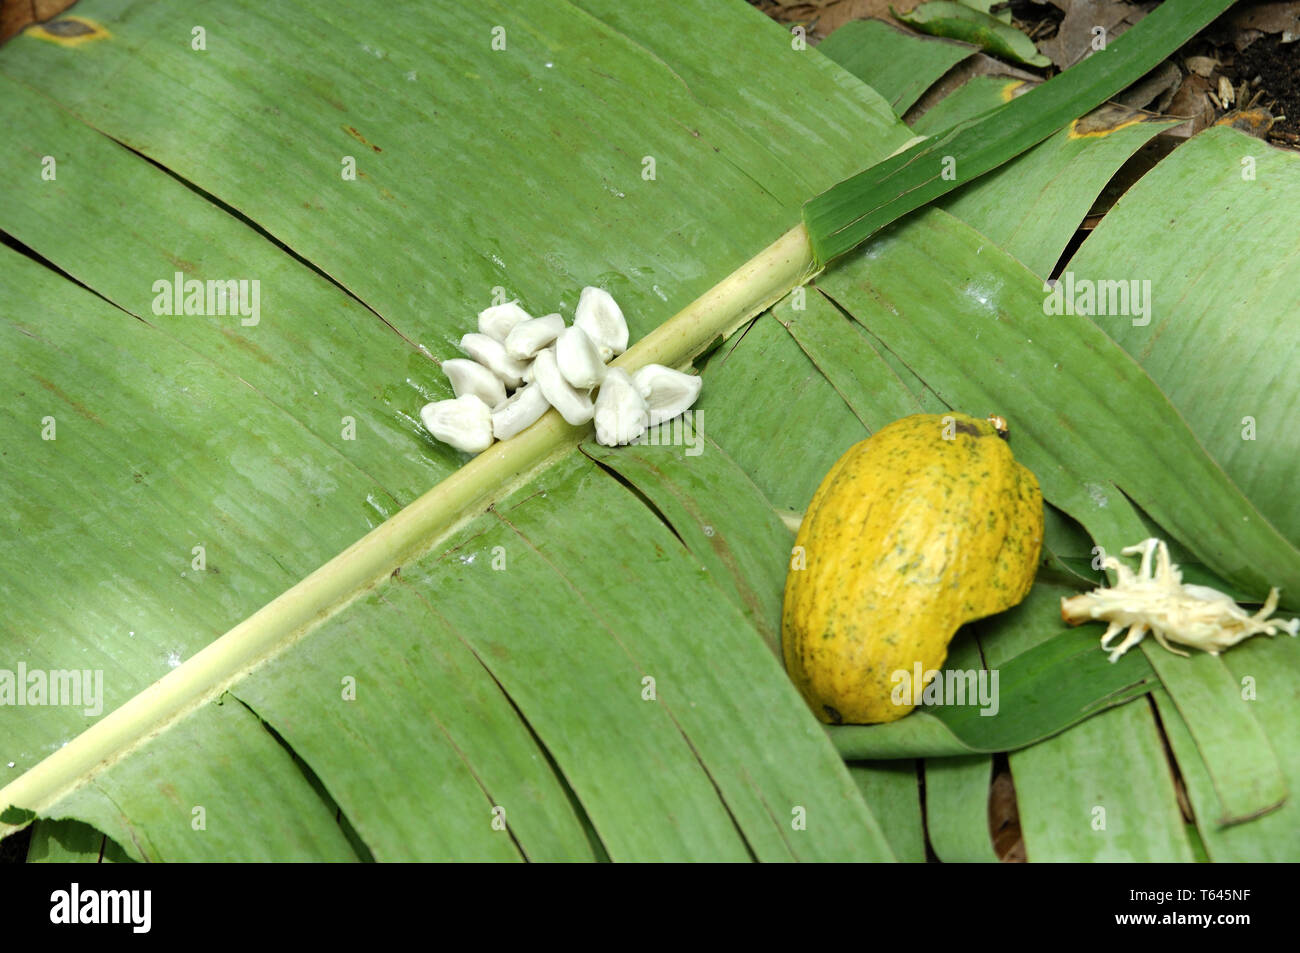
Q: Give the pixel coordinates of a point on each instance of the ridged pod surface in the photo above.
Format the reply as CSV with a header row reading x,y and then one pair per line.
x,y
927,525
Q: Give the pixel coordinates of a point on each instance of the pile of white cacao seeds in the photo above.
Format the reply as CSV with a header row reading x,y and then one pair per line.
x,y
519,366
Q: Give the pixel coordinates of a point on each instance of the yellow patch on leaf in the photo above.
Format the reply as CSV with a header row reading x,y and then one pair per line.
x,y
70,31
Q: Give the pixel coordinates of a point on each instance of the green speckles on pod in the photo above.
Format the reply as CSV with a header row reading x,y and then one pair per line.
x,y
928,525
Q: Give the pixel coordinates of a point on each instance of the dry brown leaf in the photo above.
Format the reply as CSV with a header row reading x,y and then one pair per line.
x,y
1256,121
1192,102
1158,86
1270,18
1004,820
15,15
1074,37
827,16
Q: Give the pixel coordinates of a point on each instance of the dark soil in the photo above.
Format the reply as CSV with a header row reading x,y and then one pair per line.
x,y
1038,20
13,850
1277,65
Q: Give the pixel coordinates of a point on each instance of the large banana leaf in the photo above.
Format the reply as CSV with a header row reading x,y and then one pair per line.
x,y
567,652
188,431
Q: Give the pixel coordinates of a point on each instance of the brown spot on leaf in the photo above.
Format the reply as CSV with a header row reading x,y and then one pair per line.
x,y
360,138
70,31
242,342
76,405
68,28
1107,119
183,264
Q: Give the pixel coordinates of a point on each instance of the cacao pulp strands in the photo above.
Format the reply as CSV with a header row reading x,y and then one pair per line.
x,y
1158,601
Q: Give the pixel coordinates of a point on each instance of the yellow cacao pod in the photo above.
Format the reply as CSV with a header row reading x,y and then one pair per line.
x,y
929,524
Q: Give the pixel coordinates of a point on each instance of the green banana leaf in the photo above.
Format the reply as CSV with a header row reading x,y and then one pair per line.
x,y
1032,205
567,651
956,809
255,465
966,22
899,65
